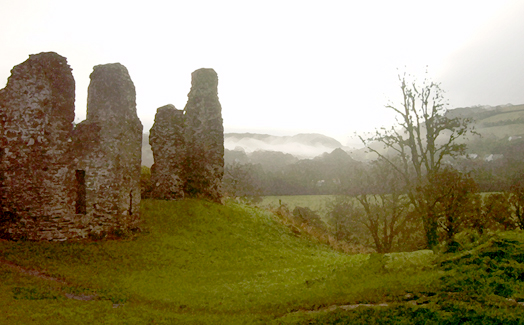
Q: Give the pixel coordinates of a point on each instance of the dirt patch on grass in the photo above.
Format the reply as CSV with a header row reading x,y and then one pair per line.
x,y
42,275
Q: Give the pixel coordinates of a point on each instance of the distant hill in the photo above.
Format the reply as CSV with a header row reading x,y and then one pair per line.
x,y
303,138
499,128
268,160
501,122
302,146
305,145
497,125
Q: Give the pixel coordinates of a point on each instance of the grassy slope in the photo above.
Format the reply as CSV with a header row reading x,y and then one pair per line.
x,y
510,119
504,117
197,262
482,283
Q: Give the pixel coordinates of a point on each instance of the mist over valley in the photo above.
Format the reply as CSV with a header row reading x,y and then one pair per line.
x,y
497,127
302,146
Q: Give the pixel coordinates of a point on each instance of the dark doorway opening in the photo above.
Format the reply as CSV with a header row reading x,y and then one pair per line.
x,y
80,204
131,203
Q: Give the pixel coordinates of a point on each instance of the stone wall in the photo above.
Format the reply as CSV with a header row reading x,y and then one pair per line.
x,y
167,143
204,135
36,121
197,161
60,183
108,145
54,188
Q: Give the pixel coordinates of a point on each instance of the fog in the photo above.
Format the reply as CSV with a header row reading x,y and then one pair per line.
x,y
302,146
284,67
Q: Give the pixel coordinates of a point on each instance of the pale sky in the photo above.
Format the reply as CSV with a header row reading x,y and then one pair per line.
x,y
284,67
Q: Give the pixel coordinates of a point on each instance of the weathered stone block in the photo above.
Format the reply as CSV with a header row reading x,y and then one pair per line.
x,y
204,137
108,145
167,143
36,121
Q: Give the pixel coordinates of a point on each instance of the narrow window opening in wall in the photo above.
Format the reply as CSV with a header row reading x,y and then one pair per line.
x,y
80,204
131,202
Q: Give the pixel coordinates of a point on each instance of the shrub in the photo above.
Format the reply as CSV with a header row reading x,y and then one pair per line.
x,y
306,222
517,201
343,220
383,222
447,199
309,217
491,211
491,265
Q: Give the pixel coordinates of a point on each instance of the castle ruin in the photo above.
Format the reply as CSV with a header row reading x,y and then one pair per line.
x,y
59,182
36,116
108,146
188,146
167,143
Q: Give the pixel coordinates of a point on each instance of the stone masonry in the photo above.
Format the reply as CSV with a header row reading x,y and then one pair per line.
x,y
57,183
197,163
108,145
204,135
36,121
167,143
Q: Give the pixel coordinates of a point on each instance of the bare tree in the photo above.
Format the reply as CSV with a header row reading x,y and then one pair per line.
x,y
421,139
375,212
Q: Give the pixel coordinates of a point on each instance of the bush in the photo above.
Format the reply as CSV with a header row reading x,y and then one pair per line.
x,y
308,217
491,212
383,222
517,201
446,200
491,265
344,221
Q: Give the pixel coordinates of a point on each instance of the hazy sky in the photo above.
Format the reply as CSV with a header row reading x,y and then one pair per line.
x,y
284,67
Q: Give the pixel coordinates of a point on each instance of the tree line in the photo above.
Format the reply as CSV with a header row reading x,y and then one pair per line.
x,y
422,191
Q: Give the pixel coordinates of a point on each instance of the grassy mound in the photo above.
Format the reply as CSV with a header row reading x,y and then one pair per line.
x,y
198,262
481,283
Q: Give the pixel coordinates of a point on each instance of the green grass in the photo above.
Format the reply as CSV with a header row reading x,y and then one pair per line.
x,y
482,283
203,263
314,202
502,131
508,122
504,117
197,262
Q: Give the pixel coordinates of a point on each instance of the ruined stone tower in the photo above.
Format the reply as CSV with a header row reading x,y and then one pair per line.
x,y
204,134
108,146
36,121
188,147
167,143
57,183
60,183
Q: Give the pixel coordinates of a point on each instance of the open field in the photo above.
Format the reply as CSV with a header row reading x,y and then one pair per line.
x,y
314,202
505,117
507,122
203,263
512,108
502,131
